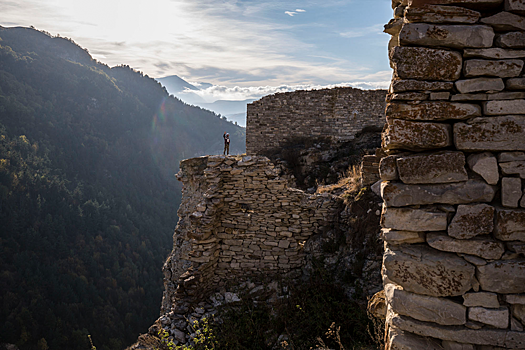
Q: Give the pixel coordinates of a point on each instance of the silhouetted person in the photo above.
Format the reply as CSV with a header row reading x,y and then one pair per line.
x,y
226,138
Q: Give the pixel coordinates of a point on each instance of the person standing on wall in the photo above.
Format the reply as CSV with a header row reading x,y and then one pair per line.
x,y
226,138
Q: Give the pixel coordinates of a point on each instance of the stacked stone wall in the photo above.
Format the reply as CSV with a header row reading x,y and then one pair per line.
x,y
454,211
337,114
238,219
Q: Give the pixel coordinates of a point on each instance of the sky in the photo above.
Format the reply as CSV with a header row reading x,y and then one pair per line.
x,y
239,46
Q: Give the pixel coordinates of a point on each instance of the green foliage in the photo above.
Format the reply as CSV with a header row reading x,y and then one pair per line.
x,y
88,199
204,338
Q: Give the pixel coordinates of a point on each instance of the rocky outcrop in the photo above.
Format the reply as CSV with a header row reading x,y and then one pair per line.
x,y
454,204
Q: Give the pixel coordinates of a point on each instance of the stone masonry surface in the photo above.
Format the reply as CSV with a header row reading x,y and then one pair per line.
x,y
337,114
454,175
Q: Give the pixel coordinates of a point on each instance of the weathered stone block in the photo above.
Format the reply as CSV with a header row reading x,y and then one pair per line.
x,y
493,53
477,4
504,107
388,168
516,6
516,83
426,64
515,167
472,220
401,85
455,36
433,111
405,219
505,21
512,40
486,165
504,157
505,133
452,345
423,270
441,167
441,14
409,135
425,308
484,299
515,299
493,68
510,191
498,318
485,248
480,84
407,96
510,224
518,311
400,340
507,276
442,95
399,195
402,237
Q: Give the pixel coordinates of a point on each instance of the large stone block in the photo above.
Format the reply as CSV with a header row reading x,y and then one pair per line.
x,y
494,53
512,40
425,308
416,136
400,340
401,85
493,68
455,36
505,133
504,157
495,337
475,4
388,168
510,224
506,277
503,107
480,84
402,237
441,167
433,111
486,165
441,14
510,192
486,248
397,194
484,299
516,83
498,318
516,6
511,168
426,64
406,219
423,270
505,21
472,220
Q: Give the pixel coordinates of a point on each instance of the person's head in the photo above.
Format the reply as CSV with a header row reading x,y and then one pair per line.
x,y
227,135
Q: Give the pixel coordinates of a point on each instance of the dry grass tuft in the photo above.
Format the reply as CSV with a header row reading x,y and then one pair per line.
x,y
349,183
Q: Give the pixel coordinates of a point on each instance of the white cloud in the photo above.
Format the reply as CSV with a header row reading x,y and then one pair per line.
x,y
300,10
290,13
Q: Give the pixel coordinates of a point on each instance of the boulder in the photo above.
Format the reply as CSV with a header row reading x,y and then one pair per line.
x,y
505,21
513,168
512,40
402,237
472,220
498,318
480,84
504,107
516,6
516,83
506,276
440,14
454,36
486,248
401,85
484,299
397,194
423,270
510,224
493,68
416,136
433,111
511,191
425,308
441,167
494,53
503,133
426,64
486,165
406,219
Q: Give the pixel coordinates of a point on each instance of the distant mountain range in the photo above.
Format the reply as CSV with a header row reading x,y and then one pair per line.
x,y
232,110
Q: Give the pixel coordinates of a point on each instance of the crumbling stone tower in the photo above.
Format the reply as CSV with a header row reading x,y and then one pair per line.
x,y
453,215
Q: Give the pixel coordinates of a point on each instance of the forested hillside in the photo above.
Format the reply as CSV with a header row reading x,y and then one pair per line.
x,y
88,199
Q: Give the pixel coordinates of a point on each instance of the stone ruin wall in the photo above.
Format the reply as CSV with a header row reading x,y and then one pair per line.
x,y
337,114
238,219
454,209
